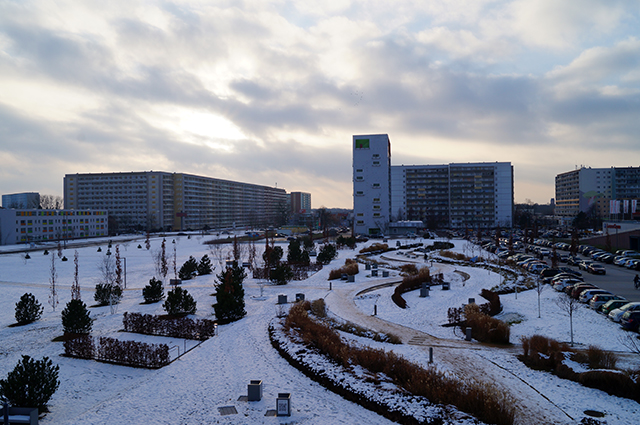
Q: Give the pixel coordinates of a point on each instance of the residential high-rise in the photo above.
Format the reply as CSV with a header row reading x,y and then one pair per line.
x,y
597,190
300,202
456,195
371,183
175,201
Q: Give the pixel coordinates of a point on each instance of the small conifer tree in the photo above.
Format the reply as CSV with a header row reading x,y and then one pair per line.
x,y
31,383
179,302
28,309
204,267
230,294
153,292
189,269
76,318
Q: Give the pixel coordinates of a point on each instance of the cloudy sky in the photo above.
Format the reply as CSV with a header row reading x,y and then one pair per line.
x,y
270,92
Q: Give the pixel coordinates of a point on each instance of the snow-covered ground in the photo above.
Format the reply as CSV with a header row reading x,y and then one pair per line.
x,y
215,373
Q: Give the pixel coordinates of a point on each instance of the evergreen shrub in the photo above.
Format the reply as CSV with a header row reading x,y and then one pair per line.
x,y
28,309
32,383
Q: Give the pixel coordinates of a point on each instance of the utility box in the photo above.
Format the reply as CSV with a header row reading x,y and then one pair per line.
x,y
282,299
374,266
351,278
374,272
385,273
472,300
367,266
254,390
424,291
283,404
445,286
299,297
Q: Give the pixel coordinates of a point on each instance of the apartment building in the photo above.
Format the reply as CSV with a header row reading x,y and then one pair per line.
x,y
456,195
601,190
174,201
35,225
371,183
21,200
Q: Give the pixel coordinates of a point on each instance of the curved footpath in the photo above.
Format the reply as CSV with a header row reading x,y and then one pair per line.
x,y
465,359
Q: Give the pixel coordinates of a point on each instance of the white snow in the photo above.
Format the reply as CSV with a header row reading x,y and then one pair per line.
x,y
215,373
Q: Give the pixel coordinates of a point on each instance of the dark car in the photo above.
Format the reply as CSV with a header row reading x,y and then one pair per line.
x,y
577,289
630,320
610,305
596,269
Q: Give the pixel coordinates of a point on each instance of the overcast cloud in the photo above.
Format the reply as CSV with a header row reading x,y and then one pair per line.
x,y
270,92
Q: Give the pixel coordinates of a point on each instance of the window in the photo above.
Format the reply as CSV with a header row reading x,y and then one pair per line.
x,y
376,185
376,163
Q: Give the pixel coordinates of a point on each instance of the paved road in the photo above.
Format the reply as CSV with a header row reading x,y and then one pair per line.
x,y
618,280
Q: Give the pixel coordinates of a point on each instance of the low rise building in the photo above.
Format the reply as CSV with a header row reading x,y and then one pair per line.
x,y
34,225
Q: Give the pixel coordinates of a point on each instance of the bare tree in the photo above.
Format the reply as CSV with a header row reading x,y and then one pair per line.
x,y
238,250
252,254
50,202
569,305
118,267
218,253
174,260
53,292
108,278
160,261
539,289
75,288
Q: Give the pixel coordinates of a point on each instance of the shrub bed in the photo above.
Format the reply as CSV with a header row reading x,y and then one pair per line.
x,y
542,353
410,283
350,268
375,247
184,327
479,399
485,328
111,350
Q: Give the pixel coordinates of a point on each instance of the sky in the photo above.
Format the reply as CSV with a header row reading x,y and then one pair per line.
x,y
271,92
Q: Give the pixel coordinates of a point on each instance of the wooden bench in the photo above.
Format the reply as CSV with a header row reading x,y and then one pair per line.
x,y
20,415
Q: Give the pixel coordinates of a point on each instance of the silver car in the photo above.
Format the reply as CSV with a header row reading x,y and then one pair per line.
x,y
617,313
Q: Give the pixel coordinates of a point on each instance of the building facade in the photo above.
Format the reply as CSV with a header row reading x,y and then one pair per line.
x,y
300,202
35,225
606,192
21,200
456,195
371,183
151,200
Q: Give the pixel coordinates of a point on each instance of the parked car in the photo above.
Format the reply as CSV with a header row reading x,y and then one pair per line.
x,y
598,301
630,320
561,284
596,269
617,313
587,294
561,276
577,289
584,264
611,305
569,270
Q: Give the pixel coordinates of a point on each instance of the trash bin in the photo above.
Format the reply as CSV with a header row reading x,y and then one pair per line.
x,y
282,299
352,278
299,297
254,390
385,273
283,404
374,272
367,266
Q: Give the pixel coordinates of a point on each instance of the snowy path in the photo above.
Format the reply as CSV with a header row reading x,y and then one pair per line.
x,y
464,359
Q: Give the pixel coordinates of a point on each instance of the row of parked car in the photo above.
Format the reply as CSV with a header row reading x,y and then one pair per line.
x,y
571,282
613,306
